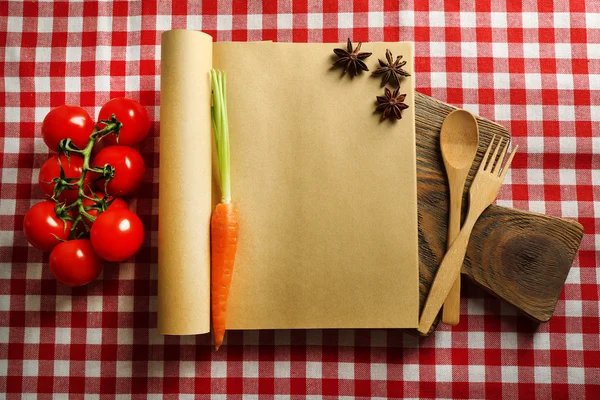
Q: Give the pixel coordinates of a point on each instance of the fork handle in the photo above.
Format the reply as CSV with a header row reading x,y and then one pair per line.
x,y
445,277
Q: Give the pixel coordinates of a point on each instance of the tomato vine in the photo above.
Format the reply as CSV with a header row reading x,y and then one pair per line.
x,y
63,210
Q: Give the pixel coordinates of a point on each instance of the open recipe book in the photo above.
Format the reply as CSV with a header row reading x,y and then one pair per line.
x,y
326,192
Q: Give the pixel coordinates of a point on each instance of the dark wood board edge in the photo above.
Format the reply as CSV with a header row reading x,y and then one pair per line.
x,y
541,248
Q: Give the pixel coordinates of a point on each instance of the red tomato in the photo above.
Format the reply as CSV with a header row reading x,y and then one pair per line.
x,y
67,122
117,234
117,203
129,169
43,229
74,263
72,168
135,119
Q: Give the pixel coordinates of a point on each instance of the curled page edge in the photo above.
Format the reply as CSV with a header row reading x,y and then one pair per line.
x,y
185,184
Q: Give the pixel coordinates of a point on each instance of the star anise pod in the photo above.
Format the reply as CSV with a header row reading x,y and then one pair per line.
x,y
391,104
391,70
351,59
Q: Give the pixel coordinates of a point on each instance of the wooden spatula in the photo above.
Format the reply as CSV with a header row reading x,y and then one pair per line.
x,y
483,192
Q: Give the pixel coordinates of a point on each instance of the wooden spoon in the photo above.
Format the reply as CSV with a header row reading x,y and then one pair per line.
x,y
459,140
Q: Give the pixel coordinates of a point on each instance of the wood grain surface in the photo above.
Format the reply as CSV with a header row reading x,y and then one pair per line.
x,y
519,256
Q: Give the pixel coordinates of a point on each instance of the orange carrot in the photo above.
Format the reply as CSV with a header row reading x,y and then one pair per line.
x,y
224,222
224,236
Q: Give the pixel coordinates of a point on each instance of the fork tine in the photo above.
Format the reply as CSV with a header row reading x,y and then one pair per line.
x,y
500,159
510,158
484,159
493,156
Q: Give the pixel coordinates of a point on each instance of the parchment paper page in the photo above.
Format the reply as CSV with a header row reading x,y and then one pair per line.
x,y
326,192
185,184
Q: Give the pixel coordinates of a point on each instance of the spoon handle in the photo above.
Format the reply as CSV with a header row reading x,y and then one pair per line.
x,y
451,310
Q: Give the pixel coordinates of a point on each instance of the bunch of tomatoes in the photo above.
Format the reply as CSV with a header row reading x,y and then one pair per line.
x,y
84,219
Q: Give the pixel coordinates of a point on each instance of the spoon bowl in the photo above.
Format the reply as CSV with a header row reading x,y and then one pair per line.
x,y
459,140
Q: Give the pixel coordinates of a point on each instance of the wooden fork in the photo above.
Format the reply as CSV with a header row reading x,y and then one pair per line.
x,y
483,192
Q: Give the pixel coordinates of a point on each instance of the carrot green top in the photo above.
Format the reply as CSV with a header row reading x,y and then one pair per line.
x,y
221,130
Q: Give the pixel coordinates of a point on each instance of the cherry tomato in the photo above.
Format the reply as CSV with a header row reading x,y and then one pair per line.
x,y
73,169
117,203
43,229
129,169
135,119
74,263
67,122
117,234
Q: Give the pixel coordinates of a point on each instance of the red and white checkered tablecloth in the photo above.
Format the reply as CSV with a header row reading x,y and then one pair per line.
x,y
533,67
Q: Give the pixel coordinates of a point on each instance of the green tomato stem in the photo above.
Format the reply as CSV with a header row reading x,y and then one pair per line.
x,y
110,126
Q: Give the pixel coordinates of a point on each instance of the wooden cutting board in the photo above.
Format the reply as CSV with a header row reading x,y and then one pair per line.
x,y
519,256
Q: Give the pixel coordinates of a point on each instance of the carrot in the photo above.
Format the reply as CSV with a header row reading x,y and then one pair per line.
x,y
224,237
224,224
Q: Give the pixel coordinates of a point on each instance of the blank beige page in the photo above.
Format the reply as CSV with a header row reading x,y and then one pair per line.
x,y
326,192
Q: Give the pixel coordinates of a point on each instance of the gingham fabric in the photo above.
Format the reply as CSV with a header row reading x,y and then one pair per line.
x,y
533,67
